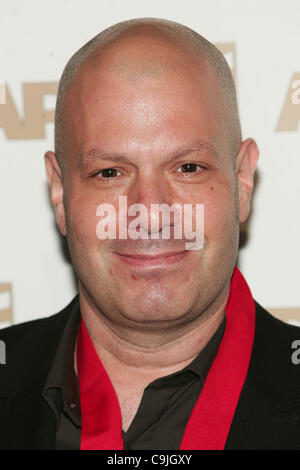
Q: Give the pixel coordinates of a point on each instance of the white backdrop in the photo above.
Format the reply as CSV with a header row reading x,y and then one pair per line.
x,y
38,37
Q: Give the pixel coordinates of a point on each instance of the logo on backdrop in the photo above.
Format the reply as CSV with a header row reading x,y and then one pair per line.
x,y
290,114
32,126
2,92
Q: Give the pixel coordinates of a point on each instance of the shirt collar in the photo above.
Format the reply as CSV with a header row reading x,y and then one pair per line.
x,y
199,366
203,361
61,389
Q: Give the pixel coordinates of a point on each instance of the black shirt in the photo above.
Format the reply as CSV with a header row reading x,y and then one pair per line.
x,y
164,410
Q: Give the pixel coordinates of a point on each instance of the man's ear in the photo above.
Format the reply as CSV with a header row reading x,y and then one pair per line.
x,y
55,179
246,162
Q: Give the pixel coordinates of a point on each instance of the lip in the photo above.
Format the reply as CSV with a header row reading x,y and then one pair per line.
x,y
158,260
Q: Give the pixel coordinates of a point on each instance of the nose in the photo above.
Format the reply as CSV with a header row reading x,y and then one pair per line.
x,y
151,198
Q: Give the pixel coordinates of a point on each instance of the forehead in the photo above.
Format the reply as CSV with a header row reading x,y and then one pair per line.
x,y
142,92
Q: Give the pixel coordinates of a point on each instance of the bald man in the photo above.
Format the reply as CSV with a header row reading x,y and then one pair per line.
x,y
164,346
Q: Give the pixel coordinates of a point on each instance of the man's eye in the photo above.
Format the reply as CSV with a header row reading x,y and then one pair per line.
x,y
190,167
107,173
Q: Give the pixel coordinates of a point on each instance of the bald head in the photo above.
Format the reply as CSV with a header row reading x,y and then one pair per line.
x,y
127,49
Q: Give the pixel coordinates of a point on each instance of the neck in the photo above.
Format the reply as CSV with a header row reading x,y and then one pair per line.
x,y
144,355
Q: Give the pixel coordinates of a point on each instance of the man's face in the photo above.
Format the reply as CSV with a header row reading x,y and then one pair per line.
x,y
155,119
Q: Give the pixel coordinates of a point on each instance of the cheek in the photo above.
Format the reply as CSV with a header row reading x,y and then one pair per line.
x,y
82,221
219,211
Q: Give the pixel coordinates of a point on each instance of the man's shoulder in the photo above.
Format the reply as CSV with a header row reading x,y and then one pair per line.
x,y
30,347
41,325
273,334
267,415
272,371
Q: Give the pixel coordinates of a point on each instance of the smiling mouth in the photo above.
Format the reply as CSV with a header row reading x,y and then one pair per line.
x,y
147,261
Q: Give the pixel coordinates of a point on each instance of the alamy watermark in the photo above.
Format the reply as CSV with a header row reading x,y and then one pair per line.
x,y
2,352
296,354
113,221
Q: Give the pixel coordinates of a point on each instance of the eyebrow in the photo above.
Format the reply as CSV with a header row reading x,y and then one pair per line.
x,y
96,154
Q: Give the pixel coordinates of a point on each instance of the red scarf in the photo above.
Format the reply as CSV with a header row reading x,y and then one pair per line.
x,y
211,418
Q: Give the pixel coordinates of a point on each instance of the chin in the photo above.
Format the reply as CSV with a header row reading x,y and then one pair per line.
x,y
156,303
